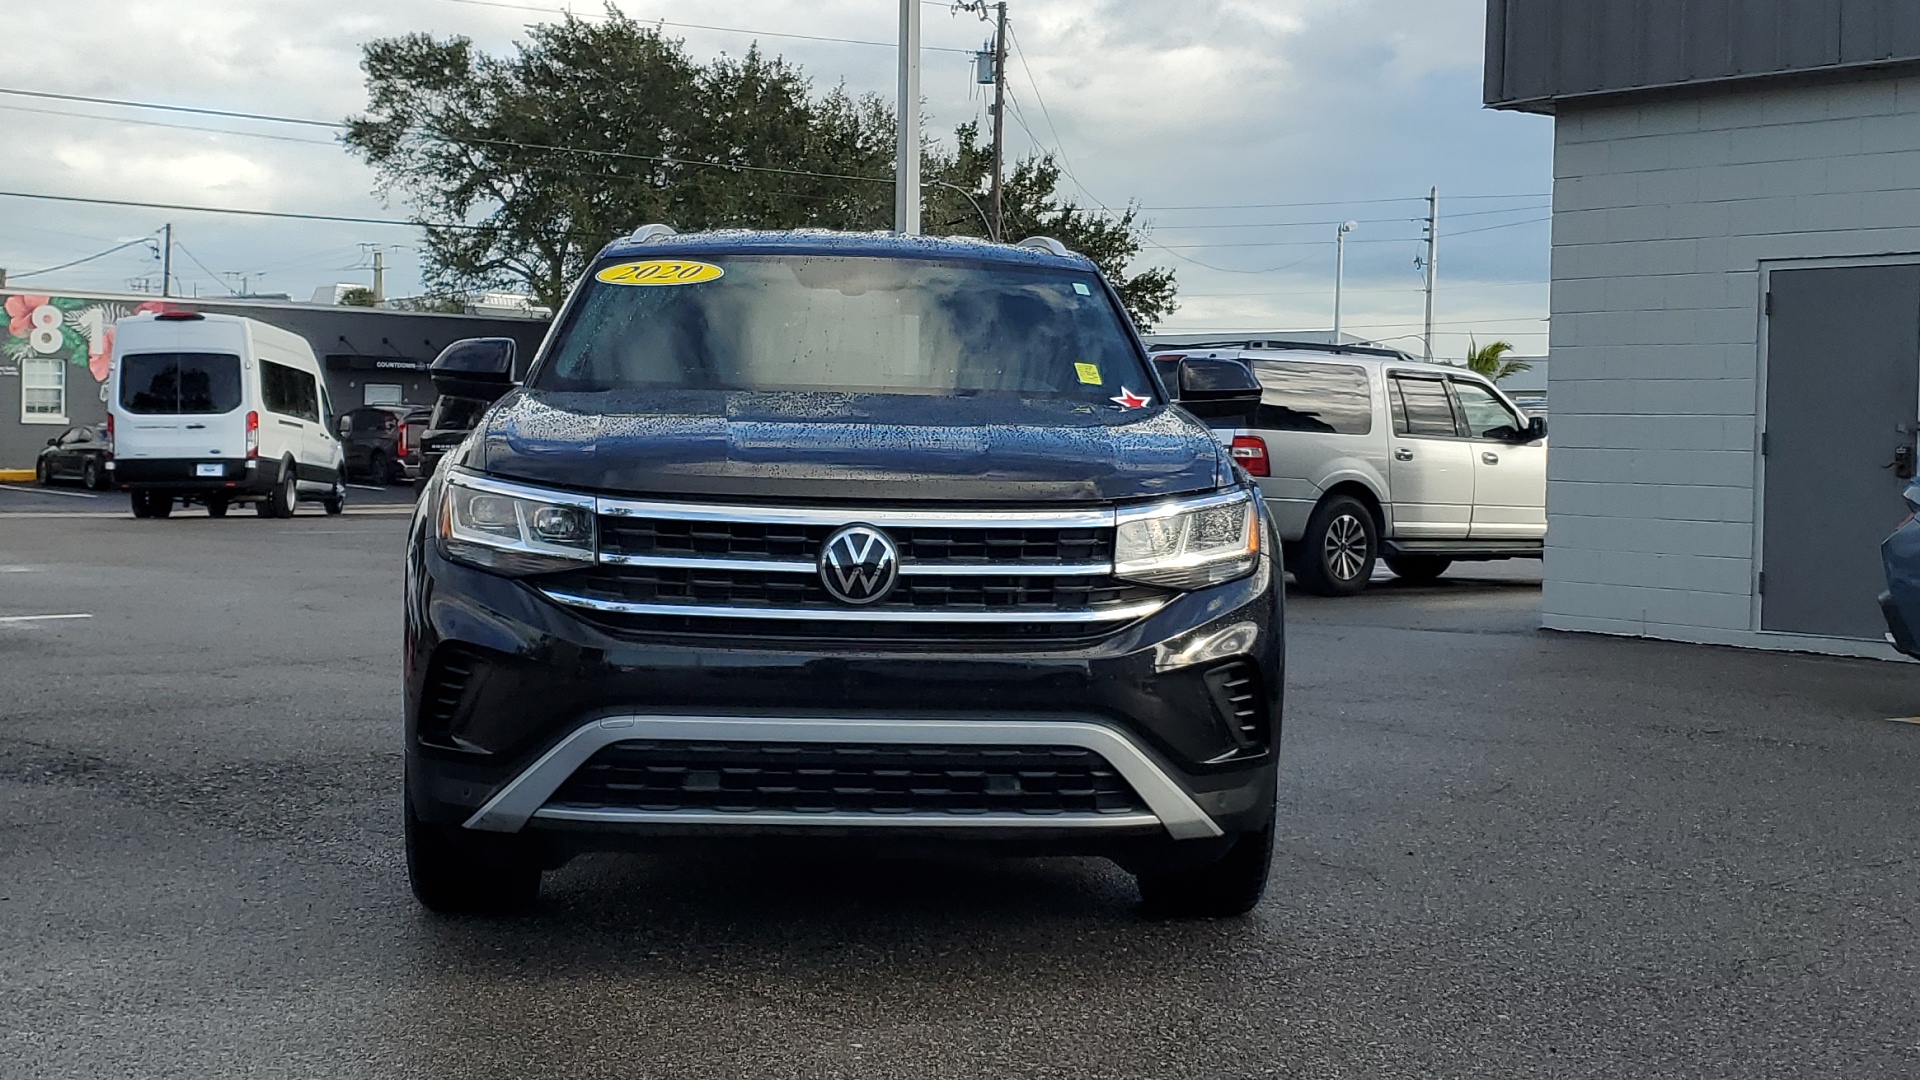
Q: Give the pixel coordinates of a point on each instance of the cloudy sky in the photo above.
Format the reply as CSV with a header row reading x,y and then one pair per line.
x,y
1247,129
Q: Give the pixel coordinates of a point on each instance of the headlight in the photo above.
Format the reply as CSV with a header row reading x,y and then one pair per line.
x,y
513,529
1188,544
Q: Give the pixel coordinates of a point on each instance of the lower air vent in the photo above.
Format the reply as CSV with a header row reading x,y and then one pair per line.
x,y
448,676
1237,697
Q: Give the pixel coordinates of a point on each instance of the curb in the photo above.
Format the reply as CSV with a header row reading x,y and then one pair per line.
x,y
12,476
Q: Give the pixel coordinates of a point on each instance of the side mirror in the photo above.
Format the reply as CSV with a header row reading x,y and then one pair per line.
x,y
55,441
1536,429
1218,389
343,425
479,368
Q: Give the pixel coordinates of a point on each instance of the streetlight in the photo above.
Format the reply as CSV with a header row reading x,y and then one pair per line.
x,y
1340,271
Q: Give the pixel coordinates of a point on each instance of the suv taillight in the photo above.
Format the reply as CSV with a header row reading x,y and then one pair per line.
x,y
253,434
400,451
1250,451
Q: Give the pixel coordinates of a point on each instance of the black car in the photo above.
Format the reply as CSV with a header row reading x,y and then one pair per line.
x,y
382,442
79,453
800,536
1900,554
451,419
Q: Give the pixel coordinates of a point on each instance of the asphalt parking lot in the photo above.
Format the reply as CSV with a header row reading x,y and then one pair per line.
x,y
1505,853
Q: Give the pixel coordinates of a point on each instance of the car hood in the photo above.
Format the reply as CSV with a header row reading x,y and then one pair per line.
x,y
897,448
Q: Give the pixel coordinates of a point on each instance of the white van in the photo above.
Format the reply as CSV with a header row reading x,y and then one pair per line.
x,y
218,410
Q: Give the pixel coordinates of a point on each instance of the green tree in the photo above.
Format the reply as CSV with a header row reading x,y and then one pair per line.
x,y
1492,360
358,296
521,167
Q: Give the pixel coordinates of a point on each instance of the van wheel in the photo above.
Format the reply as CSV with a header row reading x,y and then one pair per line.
x,y
1231,886
467,874
159,504
1418,569
1339,549
141,508
216,506
285,496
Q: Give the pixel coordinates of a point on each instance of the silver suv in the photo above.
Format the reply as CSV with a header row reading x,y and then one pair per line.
x,y
1366,454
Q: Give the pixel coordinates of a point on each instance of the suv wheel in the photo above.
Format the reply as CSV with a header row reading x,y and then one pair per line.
x,y
1231,886
1339,549
1418,569
468,875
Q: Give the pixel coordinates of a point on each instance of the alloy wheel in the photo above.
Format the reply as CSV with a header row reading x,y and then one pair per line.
x,y
1346,547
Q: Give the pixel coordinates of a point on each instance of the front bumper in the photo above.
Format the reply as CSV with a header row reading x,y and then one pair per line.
x,y
237,476
538,688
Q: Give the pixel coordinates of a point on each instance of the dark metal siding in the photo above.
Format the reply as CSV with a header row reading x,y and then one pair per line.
x,y
1540,52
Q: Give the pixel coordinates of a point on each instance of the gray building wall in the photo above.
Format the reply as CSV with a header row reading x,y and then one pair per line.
x,y
1665,213
1543,53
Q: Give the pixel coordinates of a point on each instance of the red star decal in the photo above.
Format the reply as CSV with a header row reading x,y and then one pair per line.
x,y
1130,400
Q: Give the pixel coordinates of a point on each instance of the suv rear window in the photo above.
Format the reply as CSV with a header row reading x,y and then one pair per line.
x,y
843,324
1328,398
179,383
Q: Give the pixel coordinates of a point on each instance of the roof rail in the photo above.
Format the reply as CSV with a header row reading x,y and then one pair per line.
x,y
1275,343
1044,243
655,231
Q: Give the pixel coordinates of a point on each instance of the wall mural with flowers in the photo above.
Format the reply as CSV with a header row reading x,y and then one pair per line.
x,y
75,331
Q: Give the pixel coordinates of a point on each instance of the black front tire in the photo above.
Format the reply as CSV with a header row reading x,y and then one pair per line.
x,y
1231,886
1341,544
1418,569
467,874
41,474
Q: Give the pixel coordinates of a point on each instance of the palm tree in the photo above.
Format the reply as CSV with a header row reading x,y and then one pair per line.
x,y
1491,359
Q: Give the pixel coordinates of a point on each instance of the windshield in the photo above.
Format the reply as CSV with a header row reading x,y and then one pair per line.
x,y
852,325
179,383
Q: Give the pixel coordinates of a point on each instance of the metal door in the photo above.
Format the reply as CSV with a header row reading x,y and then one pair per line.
x,y
1843,397
1431,473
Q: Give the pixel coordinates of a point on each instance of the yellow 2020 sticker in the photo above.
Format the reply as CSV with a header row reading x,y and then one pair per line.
x,y
660,272
1089,373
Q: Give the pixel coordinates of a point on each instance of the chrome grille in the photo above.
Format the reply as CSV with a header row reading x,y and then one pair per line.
x,y
1027,568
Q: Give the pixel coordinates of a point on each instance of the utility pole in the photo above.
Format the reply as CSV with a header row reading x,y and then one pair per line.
x,y
379,277
1340,271
999,118
906,180
1433,255
166,260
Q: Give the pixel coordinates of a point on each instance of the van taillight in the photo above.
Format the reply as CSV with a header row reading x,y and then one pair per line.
x,y
1250,451
253,434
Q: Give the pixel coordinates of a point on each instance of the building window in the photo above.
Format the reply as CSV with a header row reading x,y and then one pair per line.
x,y
382,394
43,390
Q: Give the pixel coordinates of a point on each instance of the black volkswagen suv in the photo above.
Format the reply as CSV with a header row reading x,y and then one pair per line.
x,y
807,535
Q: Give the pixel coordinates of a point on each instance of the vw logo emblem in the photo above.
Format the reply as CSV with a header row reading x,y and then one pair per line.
x,y
859,565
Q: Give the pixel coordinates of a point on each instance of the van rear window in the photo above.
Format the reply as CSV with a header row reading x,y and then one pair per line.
x,y
179,383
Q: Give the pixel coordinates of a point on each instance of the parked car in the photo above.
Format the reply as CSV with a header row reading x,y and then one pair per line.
x,y
382,442
79,453
1901,601
219,410
1366,454
841,535
451,420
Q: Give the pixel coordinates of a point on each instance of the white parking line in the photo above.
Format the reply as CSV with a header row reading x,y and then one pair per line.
x,y
47,491
38,618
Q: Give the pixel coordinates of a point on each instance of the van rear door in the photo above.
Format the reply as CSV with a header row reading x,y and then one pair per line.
x,y
176,405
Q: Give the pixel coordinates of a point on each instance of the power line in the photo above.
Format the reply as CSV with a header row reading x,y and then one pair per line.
x,y
720,29
215,278
229,210
85,259
170,108
164,124
1363,221
1343,202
